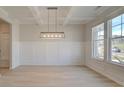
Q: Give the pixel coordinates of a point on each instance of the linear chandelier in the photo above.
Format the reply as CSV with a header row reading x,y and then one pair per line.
x,y
52,34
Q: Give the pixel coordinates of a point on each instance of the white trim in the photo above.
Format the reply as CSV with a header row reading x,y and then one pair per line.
x,y
98,59
115,63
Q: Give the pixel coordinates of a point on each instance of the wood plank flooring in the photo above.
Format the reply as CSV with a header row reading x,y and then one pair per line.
x,y
54,76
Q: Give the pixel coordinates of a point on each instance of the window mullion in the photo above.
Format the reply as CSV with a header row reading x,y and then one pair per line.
x,y
121,26
105,41
109,40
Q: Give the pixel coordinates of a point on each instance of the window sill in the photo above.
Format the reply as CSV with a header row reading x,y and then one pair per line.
x,y
98,59
115,63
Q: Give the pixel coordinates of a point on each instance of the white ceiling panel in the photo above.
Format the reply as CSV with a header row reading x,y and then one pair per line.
x,y
65,14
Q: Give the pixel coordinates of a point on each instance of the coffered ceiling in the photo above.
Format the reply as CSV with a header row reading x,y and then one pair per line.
x,y
65,14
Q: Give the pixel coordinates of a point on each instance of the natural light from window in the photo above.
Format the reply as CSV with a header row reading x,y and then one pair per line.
x,y
98,41
117,40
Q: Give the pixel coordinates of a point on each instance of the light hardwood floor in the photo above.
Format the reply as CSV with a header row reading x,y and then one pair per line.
x,y
54,76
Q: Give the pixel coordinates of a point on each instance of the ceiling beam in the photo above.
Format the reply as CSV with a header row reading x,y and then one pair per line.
x,y
68,16
36,13
5,16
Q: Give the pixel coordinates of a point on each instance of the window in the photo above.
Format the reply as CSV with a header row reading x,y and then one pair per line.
x,y
117,39
98,41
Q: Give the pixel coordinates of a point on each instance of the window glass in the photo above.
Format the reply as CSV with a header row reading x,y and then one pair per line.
x,y
99,53
123,18
116,21
117,41
118,50
116,31
101,35
98,41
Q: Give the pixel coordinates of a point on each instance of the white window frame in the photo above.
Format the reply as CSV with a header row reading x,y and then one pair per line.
x,y
93,41
109,44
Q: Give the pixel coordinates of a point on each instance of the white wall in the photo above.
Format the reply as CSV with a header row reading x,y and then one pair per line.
x,y
15,46
112,71
35,51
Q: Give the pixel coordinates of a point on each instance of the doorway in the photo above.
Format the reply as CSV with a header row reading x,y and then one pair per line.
x,y
5,29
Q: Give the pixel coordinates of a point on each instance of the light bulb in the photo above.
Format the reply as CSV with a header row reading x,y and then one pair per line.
x,y
60,36
44,35
48,36
51,35
56,36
